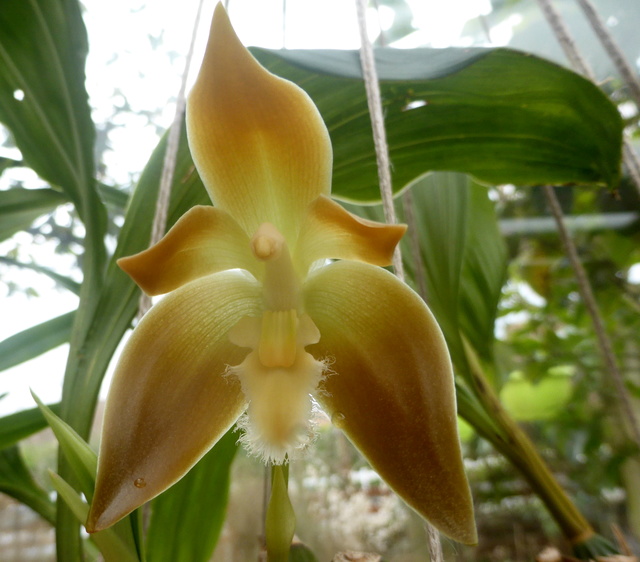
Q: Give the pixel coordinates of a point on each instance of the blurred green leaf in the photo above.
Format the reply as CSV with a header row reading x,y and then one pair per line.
x,y
111,545
6,163
16,481
35,341
61,280
528,401
301,553
15,427
82,459
500,115
20,207
187,519
113,196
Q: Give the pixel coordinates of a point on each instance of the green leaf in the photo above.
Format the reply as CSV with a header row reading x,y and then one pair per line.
x,y
301,553
43,101
61,280
16,481
187,519
15,427
6,163
528,401
118,299
81,457
464,257
35,341
441,210
20,207
500,115
484,272
111,545
116,198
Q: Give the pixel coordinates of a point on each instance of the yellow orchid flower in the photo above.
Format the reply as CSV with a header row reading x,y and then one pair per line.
x,y
258,320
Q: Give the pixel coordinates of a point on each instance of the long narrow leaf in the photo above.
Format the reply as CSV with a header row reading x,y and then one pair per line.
x,y
187,519
15,427
111,545
20,207
35,341
16,481
83,460
61,280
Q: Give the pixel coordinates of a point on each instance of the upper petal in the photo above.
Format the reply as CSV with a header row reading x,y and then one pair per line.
x,y
331,232
205,240
393,392
169,401
258,141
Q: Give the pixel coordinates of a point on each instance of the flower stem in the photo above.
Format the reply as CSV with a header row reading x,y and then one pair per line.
x,y
515,444
281,520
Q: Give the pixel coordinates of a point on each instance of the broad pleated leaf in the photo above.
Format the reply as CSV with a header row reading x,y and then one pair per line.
x,y
187,519
500,115
441,209
465,259
484,271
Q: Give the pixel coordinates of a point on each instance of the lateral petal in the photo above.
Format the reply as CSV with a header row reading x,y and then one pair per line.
x,y
169,401
393,392
205,240
331,232
258,141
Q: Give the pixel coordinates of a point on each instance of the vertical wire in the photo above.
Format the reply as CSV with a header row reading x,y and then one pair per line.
x,y
169,165
374,100
629,75
579,64
604,342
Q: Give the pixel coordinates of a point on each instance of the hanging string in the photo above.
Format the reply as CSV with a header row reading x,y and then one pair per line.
x,y
169,165
629,75
602,338
604,342
374,101
580,65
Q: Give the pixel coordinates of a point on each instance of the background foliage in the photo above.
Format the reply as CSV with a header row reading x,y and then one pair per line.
x,y
485,255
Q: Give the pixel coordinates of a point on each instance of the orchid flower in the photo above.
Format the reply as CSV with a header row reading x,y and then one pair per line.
x,y
275,295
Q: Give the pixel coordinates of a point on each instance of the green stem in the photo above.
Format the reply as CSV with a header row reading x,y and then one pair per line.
x,y
516,445
281,520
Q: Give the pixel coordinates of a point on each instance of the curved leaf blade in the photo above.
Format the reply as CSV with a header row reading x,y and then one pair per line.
x,y
501,115
187,519
35,341
20,207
